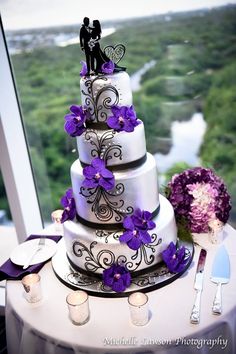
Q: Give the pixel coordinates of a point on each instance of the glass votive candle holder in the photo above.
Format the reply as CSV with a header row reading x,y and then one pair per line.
x,y
78,305
138,306
32,287
56,219
216,231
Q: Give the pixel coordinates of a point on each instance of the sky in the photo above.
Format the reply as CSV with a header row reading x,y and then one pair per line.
x,y
21,14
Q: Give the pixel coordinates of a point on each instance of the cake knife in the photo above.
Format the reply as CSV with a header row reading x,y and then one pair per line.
x,y
198,284
220,275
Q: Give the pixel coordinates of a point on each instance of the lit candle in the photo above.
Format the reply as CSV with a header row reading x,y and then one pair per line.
x,y
138,305
32,287
56,219
78,306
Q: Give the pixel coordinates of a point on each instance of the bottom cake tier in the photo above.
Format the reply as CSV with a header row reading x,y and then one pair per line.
x,y
92,250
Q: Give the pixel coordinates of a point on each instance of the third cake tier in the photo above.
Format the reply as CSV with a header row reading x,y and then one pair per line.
x,y
134,188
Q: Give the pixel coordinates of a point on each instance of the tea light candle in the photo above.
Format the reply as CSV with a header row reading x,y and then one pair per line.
x,y
78,306
56,219
32,287
138,305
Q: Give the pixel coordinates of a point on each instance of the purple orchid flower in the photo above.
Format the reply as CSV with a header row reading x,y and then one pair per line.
x,y
98,175
174,258
123,119
74,121
68,202
117,277
84,68
108,67
142,219
134,235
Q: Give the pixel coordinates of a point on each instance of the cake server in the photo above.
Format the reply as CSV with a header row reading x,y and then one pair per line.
x,y
198,284
220,275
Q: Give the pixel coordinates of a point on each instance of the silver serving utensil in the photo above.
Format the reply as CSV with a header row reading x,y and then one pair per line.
x,y
40,245
220,275
198,284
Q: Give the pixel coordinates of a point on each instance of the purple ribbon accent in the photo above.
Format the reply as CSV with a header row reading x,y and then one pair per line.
x,y
11,271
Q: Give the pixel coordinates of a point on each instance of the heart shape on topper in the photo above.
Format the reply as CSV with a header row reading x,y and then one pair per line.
x,y
115,53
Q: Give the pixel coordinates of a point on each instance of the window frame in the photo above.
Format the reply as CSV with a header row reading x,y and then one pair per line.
x,y
15,160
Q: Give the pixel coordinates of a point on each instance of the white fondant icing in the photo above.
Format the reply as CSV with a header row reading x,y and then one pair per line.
x,y
120,147
107,249
100,93
140,190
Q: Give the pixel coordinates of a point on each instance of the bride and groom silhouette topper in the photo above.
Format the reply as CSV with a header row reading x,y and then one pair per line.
x,y
95,57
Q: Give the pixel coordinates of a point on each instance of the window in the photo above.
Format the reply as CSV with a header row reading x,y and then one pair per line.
x,y
182,67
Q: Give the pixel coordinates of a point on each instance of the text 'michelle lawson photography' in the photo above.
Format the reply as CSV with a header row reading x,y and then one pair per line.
x,y
198,343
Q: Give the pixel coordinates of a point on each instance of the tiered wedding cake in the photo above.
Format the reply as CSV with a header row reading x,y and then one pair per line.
x,y
120,216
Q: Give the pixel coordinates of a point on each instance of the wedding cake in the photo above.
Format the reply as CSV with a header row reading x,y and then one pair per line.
x,y
114,213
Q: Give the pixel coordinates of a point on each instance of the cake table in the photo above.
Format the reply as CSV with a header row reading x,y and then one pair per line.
x,y
45,327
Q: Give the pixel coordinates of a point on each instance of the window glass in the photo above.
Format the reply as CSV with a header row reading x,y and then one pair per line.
x,y
5,213
182,67
8,237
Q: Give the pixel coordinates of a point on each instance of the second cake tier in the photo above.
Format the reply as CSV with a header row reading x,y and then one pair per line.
x,y
134,188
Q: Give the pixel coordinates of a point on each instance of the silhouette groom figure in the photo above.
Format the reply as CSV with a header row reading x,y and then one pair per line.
x,y
85,36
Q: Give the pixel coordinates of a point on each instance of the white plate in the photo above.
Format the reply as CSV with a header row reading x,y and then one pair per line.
x,y
23,251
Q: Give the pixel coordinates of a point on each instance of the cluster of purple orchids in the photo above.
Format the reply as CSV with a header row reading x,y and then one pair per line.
x,y
97,175
68,203
117,277
136,229
106,68
122,119
175,258
75,121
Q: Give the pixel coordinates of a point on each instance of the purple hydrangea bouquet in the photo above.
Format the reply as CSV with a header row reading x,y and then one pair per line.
x,y
198,197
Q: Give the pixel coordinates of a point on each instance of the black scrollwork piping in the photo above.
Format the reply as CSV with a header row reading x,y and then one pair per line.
x,y
106,204
105,258
146,280
103,146
80,279
107,234
142,255
96,101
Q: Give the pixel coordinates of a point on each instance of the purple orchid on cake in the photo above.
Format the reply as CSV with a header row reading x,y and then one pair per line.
x,y
108,67
84,68
74,121
136,229
198,197
117,277
175,258
143,219
98,175
123,119
68,202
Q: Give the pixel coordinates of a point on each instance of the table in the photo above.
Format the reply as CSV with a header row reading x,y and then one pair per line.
x,y
44,327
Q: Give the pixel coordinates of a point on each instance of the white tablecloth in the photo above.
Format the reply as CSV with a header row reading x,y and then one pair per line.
x,y
45,328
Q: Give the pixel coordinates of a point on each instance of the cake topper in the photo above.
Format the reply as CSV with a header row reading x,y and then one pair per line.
x,y
97,60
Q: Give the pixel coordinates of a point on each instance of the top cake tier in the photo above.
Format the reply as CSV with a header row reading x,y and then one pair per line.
x,y
100,93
